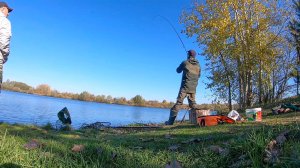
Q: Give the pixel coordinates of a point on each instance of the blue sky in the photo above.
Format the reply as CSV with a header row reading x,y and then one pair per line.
x,y
110,47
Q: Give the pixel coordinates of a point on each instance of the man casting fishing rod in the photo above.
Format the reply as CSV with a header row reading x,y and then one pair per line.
x,y
191,71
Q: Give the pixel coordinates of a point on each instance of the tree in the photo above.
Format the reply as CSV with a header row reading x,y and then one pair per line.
x,y
221,79
240,39
43,89
121,100
294,26
281,74
109,99
100,98
17,86
86,96
138,100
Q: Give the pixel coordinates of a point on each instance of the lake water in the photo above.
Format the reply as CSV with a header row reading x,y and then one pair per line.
x,y
24,108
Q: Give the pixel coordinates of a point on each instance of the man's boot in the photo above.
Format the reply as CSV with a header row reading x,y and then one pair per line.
x,y
170,121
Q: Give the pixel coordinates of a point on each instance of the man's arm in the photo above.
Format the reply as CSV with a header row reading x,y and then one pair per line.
x,y
5,35
180,68
199,70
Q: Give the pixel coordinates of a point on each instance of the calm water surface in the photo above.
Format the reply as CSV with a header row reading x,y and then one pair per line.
x,y
33,109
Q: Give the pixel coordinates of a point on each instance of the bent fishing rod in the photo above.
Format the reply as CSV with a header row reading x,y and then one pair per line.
x,y
166,19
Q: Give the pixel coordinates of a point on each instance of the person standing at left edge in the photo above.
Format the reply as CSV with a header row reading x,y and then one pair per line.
x,y
5,35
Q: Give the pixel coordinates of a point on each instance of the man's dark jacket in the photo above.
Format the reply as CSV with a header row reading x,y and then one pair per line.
x,y
191,73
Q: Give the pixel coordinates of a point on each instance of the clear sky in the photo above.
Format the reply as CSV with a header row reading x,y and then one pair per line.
x,y
110,47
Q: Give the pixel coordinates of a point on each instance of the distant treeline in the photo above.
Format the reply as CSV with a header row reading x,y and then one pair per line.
x,y
45,90
137,100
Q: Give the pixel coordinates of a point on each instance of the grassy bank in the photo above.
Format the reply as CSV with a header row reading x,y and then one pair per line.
x,y
185,145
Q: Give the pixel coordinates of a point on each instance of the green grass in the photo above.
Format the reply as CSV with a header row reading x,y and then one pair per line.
x,y
243,144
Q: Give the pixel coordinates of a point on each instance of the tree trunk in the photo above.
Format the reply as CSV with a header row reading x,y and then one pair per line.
x,y
229,97
260,84
298,82
241,87
273,87
228,80
298,65
249,89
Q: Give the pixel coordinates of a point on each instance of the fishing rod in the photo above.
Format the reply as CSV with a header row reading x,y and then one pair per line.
x,y
166,19
184,116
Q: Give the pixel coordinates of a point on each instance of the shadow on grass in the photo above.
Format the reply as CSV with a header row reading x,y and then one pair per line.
x,y
10,165
284,115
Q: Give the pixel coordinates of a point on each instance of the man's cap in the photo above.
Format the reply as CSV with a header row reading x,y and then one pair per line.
x,y
192,53
4,4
